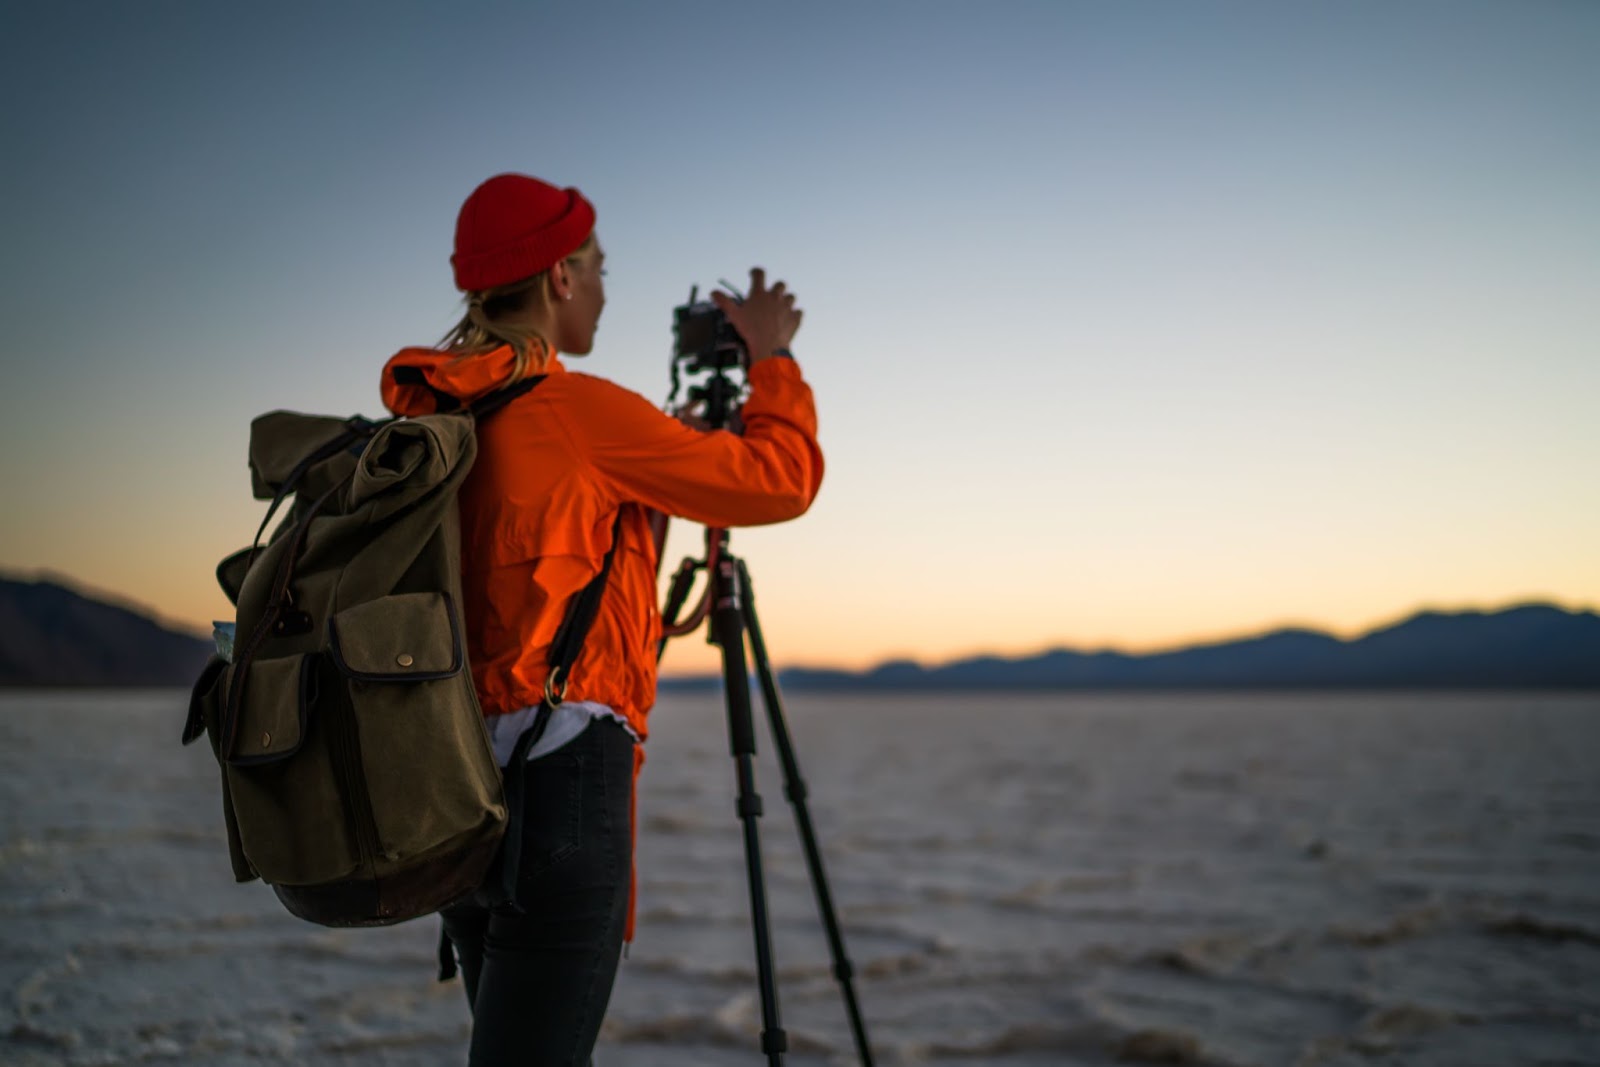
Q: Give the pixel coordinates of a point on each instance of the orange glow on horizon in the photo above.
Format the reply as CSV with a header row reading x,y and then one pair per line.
x,y
799,635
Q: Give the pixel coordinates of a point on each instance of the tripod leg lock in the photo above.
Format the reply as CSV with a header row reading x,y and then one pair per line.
x,y
796,791
774,1042
750,806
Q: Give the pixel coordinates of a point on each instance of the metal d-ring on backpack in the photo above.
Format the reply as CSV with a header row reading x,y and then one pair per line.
x,y
357,775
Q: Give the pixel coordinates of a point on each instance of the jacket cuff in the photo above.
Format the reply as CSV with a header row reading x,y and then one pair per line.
x,y
775,370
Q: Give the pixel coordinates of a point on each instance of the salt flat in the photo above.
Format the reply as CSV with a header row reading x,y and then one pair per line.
x,y
1260,879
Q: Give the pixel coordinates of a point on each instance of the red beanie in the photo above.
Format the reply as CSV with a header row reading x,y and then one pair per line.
x,y
514,226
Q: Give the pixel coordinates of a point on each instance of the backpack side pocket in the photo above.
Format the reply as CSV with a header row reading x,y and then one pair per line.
x,y
272,713
198,722
287,794
205,704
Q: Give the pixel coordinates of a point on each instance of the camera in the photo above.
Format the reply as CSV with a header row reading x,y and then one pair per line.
x,y
704,338
707,348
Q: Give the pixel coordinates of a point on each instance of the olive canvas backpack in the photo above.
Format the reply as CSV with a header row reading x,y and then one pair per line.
x,y
358,778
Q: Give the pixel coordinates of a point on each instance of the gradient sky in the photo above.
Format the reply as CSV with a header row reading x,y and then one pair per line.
x,y
1130,323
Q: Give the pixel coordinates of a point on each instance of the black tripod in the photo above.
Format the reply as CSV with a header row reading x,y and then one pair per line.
x,y
730,605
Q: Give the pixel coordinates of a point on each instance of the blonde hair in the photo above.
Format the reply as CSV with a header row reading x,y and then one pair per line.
x,y
481,329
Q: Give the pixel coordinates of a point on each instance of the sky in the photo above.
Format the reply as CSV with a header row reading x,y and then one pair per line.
x,y
1130,324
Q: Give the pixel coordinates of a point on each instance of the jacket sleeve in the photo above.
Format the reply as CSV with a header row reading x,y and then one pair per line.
x,y
717,478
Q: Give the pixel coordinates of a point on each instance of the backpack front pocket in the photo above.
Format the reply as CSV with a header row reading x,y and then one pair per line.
x,y
423,752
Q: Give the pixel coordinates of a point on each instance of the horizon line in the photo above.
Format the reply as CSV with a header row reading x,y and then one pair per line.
x,y
202,632
1190,644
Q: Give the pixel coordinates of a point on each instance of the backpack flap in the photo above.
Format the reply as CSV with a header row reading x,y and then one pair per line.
x,y
281,442
409,460
408,637
272,709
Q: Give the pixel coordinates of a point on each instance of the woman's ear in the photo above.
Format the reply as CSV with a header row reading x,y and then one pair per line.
x,y
560,281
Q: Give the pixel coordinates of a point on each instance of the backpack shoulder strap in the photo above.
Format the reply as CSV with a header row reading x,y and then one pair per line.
x,y
581,613
444,403
485,406
564,649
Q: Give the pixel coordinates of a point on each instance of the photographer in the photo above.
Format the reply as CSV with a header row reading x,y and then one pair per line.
x,y
558,470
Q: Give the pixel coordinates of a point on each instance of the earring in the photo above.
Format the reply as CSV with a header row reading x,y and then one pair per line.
x,y
569,296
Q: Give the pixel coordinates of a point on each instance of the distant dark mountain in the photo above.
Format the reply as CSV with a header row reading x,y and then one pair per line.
x,y
1533,646
51,635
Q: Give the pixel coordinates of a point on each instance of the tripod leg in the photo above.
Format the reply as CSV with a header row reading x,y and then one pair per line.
x,y
794,788
727,631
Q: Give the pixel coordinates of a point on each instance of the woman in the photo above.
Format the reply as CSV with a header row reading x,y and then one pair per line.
x,y
560,468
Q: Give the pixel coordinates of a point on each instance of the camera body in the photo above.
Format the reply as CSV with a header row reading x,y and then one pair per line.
x,y
704,339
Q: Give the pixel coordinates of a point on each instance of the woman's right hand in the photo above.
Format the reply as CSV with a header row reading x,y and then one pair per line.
x,y
767,319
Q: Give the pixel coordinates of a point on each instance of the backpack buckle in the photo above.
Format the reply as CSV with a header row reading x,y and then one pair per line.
x,y
291,623
555,687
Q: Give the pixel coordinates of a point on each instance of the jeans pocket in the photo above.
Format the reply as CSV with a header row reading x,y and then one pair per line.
x,y
552,812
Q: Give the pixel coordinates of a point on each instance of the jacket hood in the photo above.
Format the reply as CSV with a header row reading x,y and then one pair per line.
x,y
416,380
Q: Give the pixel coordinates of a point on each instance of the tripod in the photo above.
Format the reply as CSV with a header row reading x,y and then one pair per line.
x,y
730,605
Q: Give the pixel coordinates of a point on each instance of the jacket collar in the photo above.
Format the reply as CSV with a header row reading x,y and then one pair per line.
x,y
464,377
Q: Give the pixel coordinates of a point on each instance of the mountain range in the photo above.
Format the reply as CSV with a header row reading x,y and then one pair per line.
x,y
53,635
1529,646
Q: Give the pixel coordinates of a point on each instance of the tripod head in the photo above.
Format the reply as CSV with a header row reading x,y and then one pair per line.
x,y
708,354
708,350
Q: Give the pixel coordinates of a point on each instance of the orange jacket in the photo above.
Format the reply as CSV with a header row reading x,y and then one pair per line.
x,y
553,468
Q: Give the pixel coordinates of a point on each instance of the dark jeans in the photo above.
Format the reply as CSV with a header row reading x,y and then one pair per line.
x,y
538,979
